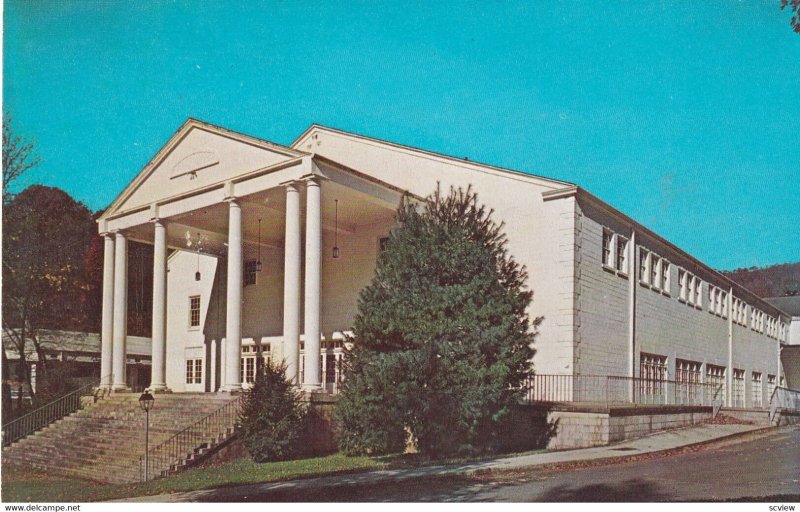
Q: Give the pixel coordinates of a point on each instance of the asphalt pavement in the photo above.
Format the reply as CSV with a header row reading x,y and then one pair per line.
x,y
704,462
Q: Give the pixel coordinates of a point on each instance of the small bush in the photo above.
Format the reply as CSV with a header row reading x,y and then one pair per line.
x,y
272,416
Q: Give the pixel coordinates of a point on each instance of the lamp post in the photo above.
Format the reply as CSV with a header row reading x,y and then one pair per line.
x,y
146,403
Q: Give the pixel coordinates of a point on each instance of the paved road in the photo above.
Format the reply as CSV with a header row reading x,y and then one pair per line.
x,y
765,468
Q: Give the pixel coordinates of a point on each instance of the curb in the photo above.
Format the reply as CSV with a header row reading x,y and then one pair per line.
x,y
617,459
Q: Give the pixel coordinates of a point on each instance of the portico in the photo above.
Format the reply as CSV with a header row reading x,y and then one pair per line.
x,y
212,203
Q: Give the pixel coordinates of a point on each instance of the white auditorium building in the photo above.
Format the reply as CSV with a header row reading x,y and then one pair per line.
x,y
261,244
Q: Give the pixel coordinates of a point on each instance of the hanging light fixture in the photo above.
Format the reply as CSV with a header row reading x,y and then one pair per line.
x,y
198,247
258,259
197,274
336,230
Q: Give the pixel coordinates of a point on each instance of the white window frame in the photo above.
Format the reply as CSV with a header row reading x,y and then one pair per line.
x,y
666,278
621,254
194,326
738,394
607,248
698,290
756,389
682,284
644,266
655,271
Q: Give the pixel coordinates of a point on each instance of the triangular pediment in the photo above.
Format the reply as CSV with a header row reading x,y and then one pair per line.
x,y
197,156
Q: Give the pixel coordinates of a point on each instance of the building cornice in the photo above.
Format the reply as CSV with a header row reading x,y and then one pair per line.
x,y
583,195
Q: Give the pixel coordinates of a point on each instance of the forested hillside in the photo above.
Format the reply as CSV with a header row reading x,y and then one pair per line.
x,y
774,281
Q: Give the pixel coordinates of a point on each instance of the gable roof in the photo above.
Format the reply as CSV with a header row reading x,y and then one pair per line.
x,y
430,154
173,142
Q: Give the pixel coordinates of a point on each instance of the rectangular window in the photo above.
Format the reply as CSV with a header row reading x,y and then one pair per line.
x,y
770,386
644,265
665,281
682,284
608,244
250,272
756,388
194,311
655,271
724,304
698,292
687,378
715,375
622,254
738,388
652,375
248,369
194,371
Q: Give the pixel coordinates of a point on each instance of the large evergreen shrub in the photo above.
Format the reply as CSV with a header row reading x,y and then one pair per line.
x,y
272,417
442,342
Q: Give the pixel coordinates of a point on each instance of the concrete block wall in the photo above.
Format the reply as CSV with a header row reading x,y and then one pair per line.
x,y
603,296
664,325
631,427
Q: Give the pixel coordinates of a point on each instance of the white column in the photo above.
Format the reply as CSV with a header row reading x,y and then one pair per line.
x,y
222,353
212,368
120,327
233,324
633,270
158,379
106,332
729,373
313,273
291,284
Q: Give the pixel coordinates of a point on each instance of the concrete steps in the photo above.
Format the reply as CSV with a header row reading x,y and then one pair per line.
x,y
104,442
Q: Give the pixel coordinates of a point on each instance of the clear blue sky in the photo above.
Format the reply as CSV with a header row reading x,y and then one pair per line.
x,y
684,115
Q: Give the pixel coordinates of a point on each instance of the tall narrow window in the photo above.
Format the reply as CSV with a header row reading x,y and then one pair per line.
x,y
644,265
622,254
682,284
692,284
738,388
608,244
715,375
757,390
655,271
698,291
665,270
770,386
194,311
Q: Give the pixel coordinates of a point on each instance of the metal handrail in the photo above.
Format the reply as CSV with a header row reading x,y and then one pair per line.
x,y
783,398
158,461
42,416
609,389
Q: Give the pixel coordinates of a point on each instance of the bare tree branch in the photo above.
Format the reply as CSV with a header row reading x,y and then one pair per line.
x,y
18,157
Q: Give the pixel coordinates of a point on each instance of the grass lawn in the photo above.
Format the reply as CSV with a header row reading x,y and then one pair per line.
x,y
35,486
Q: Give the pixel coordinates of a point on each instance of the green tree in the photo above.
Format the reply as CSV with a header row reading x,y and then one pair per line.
x,y
442,341
45,237
272,416
794,6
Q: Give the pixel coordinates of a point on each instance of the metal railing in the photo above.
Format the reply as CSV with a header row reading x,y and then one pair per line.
x,y
604,389
783,398
160,460
39,418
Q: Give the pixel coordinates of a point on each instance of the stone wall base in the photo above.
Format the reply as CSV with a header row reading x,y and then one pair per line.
x,y
568,426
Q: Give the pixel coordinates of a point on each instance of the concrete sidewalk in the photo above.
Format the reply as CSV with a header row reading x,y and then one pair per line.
x,y
661,441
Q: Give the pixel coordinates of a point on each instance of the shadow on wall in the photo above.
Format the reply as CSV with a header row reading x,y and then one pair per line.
x,y
527,429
